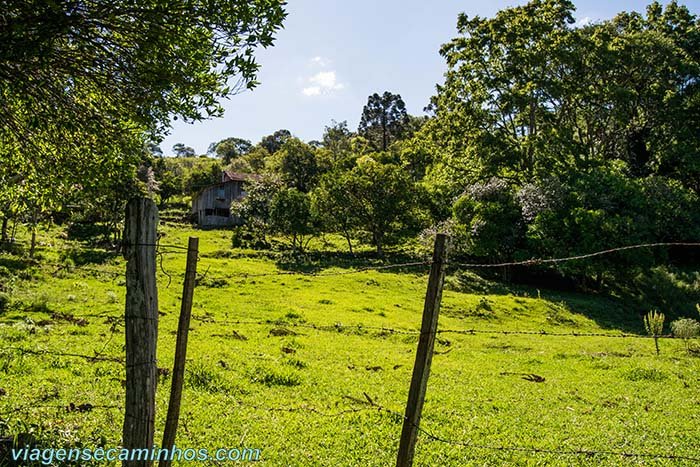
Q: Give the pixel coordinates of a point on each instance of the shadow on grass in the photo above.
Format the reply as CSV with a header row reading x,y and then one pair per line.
x,y
607,311
83,257
13,264
87,231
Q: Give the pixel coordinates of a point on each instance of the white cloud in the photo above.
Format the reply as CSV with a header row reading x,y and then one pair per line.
x,y
311,91
326,80
323,82
320,61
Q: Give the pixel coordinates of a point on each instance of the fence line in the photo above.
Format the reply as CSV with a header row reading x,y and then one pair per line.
x,y
340,327
70,407
536,261
179,249
93,358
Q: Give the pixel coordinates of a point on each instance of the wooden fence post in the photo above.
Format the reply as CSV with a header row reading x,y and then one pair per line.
x,y
424,355
180,350
141,327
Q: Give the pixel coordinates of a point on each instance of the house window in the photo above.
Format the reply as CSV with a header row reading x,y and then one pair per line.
x,y
222,212
220,193
208,212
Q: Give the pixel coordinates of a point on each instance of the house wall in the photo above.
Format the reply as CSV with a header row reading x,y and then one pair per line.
x,y
211,206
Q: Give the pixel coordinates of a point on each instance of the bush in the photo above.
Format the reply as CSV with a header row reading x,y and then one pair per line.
x,y
685,328
654,324
247,237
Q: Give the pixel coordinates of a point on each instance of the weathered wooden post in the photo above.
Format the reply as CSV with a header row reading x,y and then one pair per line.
x,y
141,327
180,350
424,355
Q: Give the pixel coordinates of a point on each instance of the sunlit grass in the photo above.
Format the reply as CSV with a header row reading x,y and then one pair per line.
x,y
287,389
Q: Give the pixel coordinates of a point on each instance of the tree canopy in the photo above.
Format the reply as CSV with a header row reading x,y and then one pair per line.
x,y
384,120
84,84
557,139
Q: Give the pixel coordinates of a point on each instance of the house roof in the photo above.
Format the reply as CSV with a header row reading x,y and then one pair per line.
x,y
231,176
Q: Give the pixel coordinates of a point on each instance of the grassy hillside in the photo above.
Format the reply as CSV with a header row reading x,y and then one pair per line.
x,y
285,363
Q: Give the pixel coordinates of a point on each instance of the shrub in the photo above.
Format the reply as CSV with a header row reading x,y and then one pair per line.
x,y
654,324
686,329
111,297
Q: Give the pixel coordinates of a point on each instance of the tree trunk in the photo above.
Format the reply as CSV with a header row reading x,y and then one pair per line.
x,y
347,237
3,238
378,243
32,248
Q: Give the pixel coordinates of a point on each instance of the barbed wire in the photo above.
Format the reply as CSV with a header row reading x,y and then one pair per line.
x,y
537,261
337,273
162,249
544,333
91,358
340,327
70,407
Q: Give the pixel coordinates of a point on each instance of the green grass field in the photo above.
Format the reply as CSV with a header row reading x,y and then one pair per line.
x,y
273,382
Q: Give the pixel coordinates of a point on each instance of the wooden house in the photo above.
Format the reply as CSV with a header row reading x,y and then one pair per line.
x,y
211,207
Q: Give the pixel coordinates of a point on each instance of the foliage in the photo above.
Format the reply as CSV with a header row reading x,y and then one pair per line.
x,y
254,209
590,127
180,150
77,75
686,329
331,203
490,220
654,325
384,120
273,143
291,214
373,197
230,149
296,164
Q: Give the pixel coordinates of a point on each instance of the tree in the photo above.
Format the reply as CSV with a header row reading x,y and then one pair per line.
x,y
230,148
526,94
274,142
337,136
181,150
154,149
254,210
337,146
384,120
292,215
591,129
378,198
202,175
296,164
336,213
81,88
490,220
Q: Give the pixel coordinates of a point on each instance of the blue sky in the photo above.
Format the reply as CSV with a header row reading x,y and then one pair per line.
x,y
332,54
